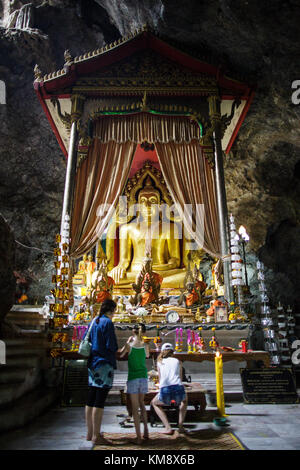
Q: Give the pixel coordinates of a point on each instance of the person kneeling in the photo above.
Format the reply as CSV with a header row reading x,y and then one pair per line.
x,y
170,388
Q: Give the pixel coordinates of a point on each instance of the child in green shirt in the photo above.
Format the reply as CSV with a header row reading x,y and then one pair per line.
x,y
137,382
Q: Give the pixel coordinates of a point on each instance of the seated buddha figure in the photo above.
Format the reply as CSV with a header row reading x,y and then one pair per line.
x,y
163,247
102,285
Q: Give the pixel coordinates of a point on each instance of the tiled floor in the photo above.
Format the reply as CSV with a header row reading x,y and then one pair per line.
x,y
259,427
268,427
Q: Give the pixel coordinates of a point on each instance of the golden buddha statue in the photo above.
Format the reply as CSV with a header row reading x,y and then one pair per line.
x,y
82,265
146,235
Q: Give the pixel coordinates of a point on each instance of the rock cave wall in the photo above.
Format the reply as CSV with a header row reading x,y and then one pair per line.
x,y
259,40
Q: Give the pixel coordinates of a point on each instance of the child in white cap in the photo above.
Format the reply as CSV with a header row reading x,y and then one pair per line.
x,y
170,387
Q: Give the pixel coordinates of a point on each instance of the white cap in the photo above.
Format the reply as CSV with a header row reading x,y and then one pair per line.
x,y
167,346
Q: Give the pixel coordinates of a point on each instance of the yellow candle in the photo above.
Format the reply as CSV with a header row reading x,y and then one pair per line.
x,y
219,383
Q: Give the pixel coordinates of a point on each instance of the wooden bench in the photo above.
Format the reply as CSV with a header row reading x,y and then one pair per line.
x,y
195,396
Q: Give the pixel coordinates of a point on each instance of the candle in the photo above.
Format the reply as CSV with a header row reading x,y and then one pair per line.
x,y
193,341
177,340
219,383
189,341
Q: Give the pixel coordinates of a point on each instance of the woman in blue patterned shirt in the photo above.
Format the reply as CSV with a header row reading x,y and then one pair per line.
x,y
101,365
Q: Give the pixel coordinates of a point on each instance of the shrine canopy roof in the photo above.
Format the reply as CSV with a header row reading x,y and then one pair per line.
x,y
139,63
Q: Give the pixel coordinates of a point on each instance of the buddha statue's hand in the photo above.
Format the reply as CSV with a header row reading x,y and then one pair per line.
x,y
118,273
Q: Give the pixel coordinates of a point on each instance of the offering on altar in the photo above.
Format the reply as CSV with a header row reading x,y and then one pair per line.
x,y
214,344
200,315
189,342
200,343
77,337
157,340
232,317
146,339
243,344
121,307
214,306
179,340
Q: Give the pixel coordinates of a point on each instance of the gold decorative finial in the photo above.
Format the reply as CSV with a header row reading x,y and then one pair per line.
x,y
144,106
38,75
68,57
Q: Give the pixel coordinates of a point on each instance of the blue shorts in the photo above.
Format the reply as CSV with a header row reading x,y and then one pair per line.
x,y
172,392
137,386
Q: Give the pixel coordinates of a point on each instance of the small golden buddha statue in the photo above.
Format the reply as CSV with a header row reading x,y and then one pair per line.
x,y
80,276
82,264
91,267
156,229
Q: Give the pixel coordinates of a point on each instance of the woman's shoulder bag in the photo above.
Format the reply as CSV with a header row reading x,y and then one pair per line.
x,y
85,345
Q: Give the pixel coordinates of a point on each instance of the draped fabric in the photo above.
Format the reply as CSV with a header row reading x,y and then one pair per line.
x,y
102,176
144,126
100,181
190,180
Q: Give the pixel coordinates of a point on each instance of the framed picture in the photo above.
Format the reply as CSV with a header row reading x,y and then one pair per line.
x,y
221,314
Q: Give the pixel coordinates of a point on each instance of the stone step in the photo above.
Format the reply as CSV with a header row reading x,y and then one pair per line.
x,y
10,392
25,321
15,342
27,349
14,374
27,408
27,343
26,317
21,314
23,360
26,308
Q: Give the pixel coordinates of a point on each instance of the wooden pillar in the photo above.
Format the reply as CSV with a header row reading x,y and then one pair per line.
x,y
215,117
